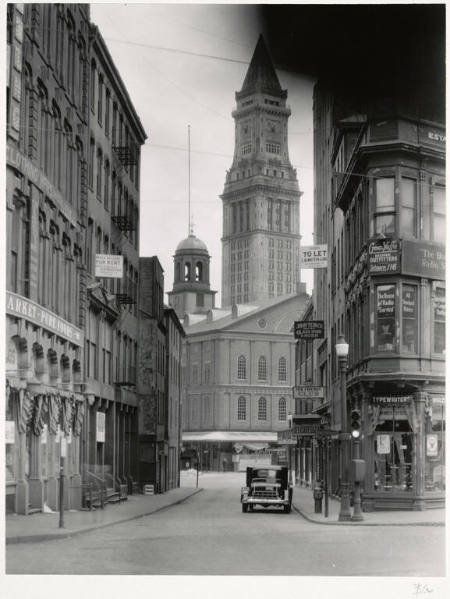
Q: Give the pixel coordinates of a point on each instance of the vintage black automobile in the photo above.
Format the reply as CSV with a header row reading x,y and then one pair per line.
x,y
267,486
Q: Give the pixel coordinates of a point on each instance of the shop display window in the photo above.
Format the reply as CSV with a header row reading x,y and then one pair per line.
x,y
393,451
385,311
435,446
409,318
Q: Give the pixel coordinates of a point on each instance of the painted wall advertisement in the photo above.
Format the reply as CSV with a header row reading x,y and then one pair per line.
x,y
385,317
384,256
309,329
423,258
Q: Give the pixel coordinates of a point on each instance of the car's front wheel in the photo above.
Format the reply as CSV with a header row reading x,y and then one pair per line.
x,y
287,509
244,507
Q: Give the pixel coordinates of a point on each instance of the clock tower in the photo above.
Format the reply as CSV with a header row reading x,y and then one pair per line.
x,y
261,198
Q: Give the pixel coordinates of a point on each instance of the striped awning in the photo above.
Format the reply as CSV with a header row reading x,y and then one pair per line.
x,y
231,436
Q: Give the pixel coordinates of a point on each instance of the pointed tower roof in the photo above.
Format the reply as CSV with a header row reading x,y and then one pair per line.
x,y
261,75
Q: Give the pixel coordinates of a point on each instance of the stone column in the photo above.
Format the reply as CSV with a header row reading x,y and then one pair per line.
x,y
22,495
420,398
35,484
53,468
75,489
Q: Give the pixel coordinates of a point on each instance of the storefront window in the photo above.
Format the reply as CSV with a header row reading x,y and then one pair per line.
x,y
409,318
435,446
439,320
385,309
393,451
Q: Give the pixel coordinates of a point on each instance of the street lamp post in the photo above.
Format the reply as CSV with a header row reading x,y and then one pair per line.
x,y
342,356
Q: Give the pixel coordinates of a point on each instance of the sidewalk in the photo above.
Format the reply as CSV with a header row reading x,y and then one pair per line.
x,y
303,502
44,527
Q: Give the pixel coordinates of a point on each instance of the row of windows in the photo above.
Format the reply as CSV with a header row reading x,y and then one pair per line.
x,y
113,122
246,149
401,212
262,368
110,190
272,148
279,215
262,408
48,137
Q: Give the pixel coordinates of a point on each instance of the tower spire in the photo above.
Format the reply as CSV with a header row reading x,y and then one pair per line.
x,y
189,181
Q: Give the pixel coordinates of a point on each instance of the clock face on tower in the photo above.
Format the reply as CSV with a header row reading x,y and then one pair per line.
x,y
245,130
272,126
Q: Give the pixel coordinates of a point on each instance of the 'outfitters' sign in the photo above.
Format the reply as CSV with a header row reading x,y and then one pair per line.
x,y
16,305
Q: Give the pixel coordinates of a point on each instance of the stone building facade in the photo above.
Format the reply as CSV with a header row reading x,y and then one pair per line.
x,y
261,198
46,206
112,229
62,154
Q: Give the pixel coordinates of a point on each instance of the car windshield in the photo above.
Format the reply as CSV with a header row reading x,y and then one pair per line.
x,y
265,473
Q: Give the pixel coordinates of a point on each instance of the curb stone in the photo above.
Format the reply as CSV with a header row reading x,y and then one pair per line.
x,y
14,540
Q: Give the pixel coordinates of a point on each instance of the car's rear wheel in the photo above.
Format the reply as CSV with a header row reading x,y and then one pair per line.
x,y
250,507
244,507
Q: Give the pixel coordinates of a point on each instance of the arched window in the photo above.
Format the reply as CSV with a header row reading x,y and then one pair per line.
x,y
199,271
187,271
262,408
262,368
242,408
242,368
282,369
93,78
282,409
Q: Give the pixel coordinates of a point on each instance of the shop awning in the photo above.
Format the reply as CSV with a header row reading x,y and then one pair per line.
x,y
231,436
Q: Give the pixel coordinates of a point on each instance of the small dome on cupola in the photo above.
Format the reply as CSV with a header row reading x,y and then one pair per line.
x,y
191,244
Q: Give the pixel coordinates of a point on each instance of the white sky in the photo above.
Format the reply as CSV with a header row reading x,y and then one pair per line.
x,y
171,90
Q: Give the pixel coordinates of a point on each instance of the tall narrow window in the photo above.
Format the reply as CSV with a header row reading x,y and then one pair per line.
x,y
408,208
409,318
100,99
439,320
99,173
282,409
199,271
282,369
242,368
107,108
106,186
93,82
439,214
262,368
262,408
91,162
384,216
242,408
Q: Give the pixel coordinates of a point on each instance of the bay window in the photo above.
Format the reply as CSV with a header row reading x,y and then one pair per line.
x,y
384,214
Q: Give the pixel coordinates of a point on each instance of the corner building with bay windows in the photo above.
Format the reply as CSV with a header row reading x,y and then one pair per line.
x,y
382,181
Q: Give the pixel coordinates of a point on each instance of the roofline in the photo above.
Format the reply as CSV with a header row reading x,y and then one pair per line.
x,y
96,38
169,311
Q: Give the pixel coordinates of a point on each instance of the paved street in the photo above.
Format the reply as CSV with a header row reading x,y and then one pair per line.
x,y
208,534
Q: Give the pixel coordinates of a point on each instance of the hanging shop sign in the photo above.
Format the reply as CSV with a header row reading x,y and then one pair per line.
x,y
393,400
10,432
424,259
309,329
308,392
16,305
383,444
384,256
300,430
432,445
108,266
314,256
100,428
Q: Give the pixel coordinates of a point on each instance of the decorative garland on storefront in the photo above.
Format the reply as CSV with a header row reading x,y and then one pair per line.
x,y
32,410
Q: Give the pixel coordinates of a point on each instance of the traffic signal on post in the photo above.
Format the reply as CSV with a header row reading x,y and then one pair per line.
x,y
356,423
